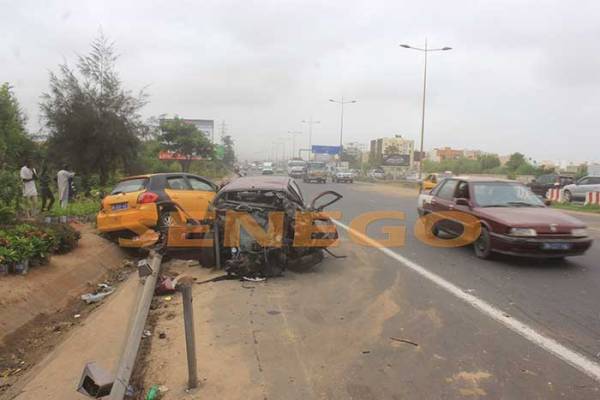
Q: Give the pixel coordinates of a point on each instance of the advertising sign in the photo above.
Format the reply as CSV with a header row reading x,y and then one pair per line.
x,y
396,160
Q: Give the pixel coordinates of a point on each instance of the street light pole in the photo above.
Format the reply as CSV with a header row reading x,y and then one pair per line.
x,y
294,133
341,102
310,123
425,50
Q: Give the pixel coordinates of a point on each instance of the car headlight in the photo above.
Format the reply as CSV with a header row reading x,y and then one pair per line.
x,y
523,232
579,232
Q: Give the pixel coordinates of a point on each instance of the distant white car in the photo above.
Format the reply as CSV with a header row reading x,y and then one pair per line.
x,y
576,191
377,174
342,175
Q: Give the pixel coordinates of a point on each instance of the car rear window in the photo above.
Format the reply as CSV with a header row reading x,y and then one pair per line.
x,y
130,185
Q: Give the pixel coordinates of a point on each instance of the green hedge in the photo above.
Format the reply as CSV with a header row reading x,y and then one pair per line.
x,y
35,241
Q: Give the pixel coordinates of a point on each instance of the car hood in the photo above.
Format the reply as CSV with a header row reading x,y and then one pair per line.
x,y
540,218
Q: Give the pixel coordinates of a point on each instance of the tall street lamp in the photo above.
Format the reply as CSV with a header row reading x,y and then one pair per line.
x,y
341,102
294,133
310,123
424,50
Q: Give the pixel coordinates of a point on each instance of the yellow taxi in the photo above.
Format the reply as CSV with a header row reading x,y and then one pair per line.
x,y
139,204
432,180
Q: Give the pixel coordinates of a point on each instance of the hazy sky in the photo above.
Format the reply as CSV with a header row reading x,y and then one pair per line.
x,y
523,75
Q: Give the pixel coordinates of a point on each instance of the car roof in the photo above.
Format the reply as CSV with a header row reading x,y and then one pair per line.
x,y
260,182
481,179
145,176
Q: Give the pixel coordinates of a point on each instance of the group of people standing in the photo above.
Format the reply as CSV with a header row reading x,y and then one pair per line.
x,y
29,175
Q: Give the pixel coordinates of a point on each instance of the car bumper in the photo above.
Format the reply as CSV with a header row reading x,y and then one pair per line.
x,y
343,178
539,247
134,220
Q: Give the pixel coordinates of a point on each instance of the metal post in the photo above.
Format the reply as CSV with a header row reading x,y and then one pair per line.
x,y
341,132
132,345
190,338
423,113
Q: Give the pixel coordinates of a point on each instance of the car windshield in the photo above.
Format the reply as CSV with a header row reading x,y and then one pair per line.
x,y
316,166
130,185
504,194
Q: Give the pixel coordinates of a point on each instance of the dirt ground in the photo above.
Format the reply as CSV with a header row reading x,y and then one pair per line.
x,y
40,309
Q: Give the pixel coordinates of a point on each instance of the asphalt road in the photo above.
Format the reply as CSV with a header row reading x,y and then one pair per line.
x,y
462,351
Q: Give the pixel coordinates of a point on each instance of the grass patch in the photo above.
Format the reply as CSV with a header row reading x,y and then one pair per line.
x,y
79,208
590,208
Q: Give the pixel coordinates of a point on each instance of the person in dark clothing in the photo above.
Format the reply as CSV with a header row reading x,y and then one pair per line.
x,y
45,190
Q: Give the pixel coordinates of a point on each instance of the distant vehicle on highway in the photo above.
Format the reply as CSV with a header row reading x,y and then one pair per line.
x,y
316,171
376,173
295,168
267,168
342,175
577,191
542,183
513,219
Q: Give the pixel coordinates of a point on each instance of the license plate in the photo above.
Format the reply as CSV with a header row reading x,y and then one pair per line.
x,y
556,246
119,206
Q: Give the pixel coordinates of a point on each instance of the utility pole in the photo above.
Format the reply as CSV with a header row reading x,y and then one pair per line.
x,y
310,124
341,102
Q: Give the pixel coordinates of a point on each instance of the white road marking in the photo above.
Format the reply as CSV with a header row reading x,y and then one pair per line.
x,y
571,357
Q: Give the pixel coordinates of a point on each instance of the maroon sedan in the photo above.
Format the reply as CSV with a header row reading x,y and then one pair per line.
x,y
513,219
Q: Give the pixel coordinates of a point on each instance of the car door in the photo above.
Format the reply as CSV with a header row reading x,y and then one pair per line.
x,y
595,184
580,189
177,189
199,196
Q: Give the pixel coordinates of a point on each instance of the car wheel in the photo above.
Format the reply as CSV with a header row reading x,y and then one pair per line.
x,y
568,196
165,220
483,244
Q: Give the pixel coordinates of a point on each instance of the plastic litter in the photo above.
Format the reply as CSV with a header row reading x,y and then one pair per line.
x,y
103,291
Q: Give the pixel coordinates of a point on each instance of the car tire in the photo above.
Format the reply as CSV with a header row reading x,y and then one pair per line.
x,y
483,244
567,196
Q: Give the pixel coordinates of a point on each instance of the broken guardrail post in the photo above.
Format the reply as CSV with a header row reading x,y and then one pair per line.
x,y
132,345
190,339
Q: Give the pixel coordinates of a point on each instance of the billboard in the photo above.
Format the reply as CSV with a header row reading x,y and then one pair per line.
x,y
318,149
396,160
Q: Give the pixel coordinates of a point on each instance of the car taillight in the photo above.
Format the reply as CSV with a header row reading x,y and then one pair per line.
x,y
147,197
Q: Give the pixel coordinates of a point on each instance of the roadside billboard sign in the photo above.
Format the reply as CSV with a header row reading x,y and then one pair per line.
x,y
396,160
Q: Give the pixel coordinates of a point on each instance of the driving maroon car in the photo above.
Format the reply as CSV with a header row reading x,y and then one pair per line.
x,y
513,219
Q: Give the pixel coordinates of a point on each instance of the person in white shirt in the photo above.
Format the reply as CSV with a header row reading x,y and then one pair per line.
x,y
62,178
28,176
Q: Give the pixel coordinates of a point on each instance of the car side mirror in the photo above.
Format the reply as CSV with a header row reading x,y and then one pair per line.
x,y
462,202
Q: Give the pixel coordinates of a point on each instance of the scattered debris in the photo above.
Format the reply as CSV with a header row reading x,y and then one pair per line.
x,y
166,285
168,298
273,312
256,279
76,316
405,341
146,334
103,291
366,351
156,392
162,335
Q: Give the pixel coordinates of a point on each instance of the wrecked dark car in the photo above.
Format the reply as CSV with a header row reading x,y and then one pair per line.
x,y
263,227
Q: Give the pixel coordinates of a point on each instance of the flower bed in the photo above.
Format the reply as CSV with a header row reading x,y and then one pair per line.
x,y
32,244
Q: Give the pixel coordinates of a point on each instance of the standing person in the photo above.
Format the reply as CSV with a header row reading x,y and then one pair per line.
x,y
45,190
28,176
62,177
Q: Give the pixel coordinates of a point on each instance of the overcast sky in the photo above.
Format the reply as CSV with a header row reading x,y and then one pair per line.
x,y
522,75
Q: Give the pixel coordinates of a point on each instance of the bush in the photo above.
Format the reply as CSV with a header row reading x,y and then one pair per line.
x,y
35,241
81,207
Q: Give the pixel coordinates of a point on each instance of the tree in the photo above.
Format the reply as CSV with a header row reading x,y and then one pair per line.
x,y
229,153
489,161
93,122
15,144
185,140
515,161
